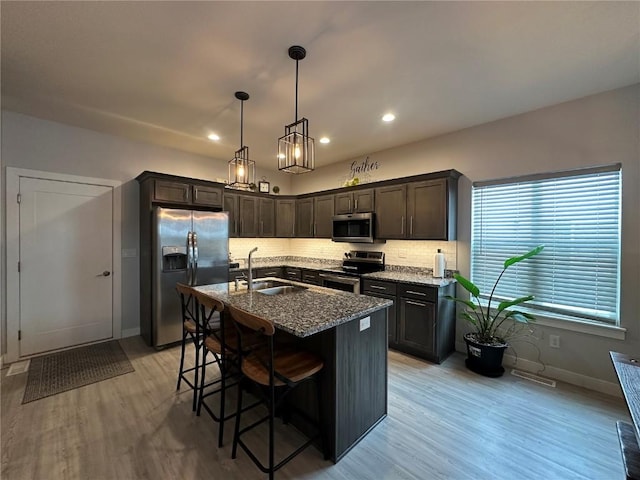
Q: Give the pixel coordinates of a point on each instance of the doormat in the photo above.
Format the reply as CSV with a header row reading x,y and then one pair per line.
x,y
62,371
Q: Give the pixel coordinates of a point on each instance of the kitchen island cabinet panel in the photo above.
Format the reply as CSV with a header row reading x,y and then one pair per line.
x,y
353,383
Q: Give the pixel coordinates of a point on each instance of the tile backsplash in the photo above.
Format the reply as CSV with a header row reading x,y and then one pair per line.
x,y
409,253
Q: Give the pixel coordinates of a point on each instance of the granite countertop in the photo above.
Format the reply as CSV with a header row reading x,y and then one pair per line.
x,y
416,278
324,266
413,275
301,313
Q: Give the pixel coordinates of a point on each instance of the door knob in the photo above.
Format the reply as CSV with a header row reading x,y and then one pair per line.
x,y
106,273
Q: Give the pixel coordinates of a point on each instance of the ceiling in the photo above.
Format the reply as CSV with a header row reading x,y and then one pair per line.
x,y
166,72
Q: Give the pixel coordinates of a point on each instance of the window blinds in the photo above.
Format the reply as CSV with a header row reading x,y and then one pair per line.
x,y
576,216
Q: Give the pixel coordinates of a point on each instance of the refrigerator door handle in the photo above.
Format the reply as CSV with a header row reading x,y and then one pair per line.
x,y
189,257
194,272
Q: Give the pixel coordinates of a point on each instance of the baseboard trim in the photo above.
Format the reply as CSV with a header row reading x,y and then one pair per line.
x,y
560,374
130,332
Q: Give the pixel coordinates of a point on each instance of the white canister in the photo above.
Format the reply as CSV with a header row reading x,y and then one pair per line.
x,y
439,264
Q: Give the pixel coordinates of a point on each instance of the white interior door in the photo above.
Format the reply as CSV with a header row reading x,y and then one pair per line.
x,y
66,255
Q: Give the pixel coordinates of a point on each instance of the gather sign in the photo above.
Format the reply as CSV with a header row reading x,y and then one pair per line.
x,y
361,172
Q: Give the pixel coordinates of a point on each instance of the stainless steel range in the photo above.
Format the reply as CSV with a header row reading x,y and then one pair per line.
x,y
354,264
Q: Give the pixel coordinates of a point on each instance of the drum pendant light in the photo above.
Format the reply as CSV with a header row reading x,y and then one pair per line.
x,y
296,151
242,170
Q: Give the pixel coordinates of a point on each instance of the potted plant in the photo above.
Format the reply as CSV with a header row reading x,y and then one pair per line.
x,y
490,334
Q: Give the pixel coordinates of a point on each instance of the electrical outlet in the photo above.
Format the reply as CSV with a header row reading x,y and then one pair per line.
x,y
554,341
365,323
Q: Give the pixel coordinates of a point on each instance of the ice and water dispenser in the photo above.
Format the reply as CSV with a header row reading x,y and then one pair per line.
x,y
174,259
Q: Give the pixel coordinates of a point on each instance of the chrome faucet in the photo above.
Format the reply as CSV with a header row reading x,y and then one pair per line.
x,y
250,279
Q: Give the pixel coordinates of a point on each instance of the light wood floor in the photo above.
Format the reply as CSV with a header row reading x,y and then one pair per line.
x,y
444,422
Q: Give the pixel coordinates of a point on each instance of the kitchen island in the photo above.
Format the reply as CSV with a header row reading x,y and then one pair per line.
x,y
348,331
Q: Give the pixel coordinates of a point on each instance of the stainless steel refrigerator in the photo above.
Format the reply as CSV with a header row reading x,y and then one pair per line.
x,y
191,247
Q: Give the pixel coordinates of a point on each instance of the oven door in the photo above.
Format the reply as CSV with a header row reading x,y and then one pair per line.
x,y
340,282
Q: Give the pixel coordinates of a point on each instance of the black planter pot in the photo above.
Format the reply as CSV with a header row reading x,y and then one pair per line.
x,y
484,359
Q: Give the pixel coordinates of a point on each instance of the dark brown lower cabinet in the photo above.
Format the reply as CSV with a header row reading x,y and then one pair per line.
x,y
422,320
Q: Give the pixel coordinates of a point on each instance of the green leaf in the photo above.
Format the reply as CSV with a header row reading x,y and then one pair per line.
x,y
521,317
469,318
511,303
468,303
467,285
514,260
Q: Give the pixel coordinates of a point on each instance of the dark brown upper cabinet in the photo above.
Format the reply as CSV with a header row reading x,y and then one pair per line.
x,y
164,189
323,212
424,210
427,210
358,201
266,217
391,212
231,207
285,217
249,224
304,217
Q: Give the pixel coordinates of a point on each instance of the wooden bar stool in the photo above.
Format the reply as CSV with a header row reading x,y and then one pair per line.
x,y
215,342
192,328
276,371
222,343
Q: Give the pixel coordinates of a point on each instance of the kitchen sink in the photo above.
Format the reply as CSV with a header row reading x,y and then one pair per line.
x,y
262,284
281,290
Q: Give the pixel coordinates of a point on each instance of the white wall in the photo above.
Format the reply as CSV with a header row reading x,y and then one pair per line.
x,y
37,144
596,130
600,129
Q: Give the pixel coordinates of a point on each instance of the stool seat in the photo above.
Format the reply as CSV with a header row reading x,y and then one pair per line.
x,y
293,365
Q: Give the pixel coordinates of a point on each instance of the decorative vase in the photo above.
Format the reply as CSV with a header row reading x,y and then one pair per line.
x,y
484,359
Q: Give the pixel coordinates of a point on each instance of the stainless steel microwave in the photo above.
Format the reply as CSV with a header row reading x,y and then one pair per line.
x,y
354,228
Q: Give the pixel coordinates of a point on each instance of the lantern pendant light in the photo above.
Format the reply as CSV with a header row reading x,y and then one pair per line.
x,y
242,170
296,151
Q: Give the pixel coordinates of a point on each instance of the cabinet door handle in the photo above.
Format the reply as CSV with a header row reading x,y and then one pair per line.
x,y
415,303
417,293
402,226
378,287
270,274
314,229
411,225
349,200
356,205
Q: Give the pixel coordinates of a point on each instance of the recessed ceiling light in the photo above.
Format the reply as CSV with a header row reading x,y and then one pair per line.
x,y
213,136
325,140
388,117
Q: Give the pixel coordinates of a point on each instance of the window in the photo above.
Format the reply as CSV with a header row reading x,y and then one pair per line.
x,y
576,216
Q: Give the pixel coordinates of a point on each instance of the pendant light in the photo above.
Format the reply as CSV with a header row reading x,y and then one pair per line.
x,y
296,151
241,170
